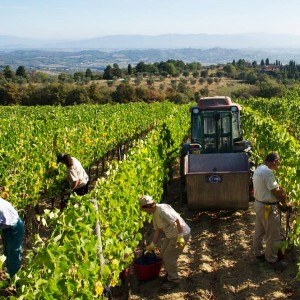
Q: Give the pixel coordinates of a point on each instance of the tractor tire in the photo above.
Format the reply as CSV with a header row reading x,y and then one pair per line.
x,y
183,194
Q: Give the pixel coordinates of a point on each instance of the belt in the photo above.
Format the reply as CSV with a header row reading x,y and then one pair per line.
x,y
268,203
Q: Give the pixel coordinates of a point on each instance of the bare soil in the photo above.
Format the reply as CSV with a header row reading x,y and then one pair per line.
x,y
218,262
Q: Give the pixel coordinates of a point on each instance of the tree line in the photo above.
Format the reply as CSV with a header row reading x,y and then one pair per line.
x,y
136,83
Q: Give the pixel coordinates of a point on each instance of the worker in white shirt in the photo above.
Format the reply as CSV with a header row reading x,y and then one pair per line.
x,y
12,228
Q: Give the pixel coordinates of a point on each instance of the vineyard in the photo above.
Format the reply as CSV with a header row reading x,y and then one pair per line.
x,y
71,261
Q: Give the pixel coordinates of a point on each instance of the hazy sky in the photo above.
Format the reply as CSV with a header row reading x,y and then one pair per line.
x,y
73,19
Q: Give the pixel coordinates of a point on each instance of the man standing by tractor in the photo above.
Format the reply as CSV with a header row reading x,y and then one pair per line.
x,y
177,234
268,196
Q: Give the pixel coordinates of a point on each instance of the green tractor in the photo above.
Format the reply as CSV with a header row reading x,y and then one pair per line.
x,y
215,165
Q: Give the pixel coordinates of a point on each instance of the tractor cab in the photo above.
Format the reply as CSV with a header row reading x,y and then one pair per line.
x,y
215,127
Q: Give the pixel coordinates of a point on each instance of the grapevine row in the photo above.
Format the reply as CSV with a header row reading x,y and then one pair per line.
x,y
67,264
285,111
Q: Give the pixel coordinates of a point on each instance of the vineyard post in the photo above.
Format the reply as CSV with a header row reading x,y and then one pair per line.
x,y
98,233
89,171
97,169
120,151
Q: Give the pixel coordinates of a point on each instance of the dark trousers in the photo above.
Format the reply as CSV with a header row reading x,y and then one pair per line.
x,y
82,190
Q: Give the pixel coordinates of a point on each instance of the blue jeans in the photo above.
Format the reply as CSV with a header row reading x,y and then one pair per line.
x,y
12,244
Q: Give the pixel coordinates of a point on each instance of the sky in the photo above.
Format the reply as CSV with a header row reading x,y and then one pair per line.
x,y
85,19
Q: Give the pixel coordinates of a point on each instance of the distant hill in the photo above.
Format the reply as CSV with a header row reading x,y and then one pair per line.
x,y
97,53
198,41
96,60
165,41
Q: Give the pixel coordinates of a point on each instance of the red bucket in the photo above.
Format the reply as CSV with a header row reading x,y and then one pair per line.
x,y
147,270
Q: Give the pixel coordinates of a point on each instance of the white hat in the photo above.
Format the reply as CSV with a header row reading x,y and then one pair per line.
x,y
145,200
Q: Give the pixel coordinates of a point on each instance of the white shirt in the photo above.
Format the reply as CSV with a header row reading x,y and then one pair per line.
x,y
8,215
263,182
77,172
164,218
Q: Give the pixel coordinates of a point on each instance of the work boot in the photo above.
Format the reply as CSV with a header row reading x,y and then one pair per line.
x,y
278,265
164,278
261,257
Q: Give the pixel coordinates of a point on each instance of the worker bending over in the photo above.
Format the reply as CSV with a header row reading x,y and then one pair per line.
x,y
177,233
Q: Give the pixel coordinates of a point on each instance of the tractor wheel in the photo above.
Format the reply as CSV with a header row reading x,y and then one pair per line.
x,y
183,195
251,191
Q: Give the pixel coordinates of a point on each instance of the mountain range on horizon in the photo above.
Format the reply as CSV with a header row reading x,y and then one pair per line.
x,y
164,41
97,53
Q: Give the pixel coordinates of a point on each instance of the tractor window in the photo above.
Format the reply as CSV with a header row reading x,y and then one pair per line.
x,y
209,133
236,130
225,125
224,143
209,125
196,127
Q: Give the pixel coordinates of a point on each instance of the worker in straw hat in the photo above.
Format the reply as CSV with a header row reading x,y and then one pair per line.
x,y
177,233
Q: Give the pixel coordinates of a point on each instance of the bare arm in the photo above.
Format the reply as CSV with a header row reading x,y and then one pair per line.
x,y
281,195
179,226
156,236
74,184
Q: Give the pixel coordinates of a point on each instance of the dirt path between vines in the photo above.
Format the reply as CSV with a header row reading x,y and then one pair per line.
x,y
218,262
